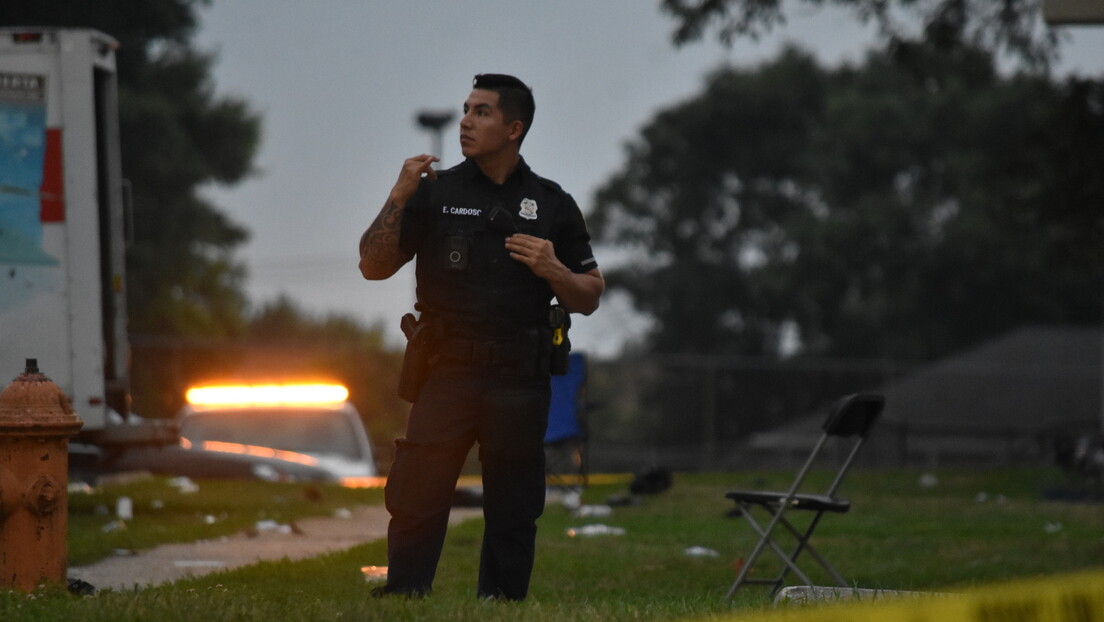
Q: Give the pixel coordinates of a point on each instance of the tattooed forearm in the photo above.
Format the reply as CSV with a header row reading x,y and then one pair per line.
x,y
384,230
380,255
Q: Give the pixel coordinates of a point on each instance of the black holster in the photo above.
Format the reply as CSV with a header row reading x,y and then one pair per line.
x,y
421,339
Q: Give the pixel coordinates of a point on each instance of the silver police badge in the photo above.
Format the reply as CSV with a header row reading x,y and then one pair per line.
x,y
528,209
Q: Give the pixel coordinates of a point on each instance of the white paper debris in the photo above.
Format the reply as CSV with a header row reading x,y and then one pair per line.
x,y
593,510
124,508
594,530
184,485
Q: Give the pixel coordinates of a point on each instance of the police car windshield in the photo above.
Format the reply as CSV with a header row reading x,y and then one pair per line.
x,y
315,432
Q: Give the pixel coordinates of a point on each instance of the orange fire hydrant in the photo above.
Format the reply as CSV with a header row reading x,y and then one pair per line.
x,y
36,422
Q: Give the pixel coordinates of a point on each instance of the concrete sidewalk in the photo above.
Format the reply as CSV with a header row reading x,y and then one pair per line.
x,y
307,538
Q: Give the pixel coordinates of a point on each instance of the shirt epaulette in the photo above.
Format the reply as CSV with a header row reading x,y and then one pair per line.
x,y
551,184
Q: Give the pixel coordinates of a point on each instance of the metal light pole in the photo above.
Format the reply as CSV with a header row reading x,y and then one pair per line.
x,y
435,122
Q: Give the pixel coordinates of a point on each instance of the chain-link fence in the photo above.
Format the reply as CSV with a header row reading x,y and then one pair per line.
x,y
722,413
699,412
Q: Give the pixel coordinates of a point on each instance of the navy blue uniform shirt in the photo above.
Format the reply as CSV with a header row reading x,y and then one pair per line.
x,y
457,226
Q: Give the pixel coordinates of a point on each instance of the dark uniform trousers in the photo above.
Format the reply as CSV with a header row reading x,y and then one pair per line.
x,y
462,404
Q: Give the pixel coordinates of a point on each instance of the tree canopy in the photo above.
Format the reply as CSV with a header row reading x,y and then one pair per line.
x,y
893,209
1012,27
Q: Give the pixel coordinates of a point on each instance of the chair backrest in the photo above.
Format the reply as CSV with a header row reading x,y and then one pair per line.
x,y
565,412
854,415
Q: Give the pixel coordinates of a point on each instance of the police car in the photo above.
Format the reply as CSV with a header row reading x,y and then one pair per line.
x,y
279,425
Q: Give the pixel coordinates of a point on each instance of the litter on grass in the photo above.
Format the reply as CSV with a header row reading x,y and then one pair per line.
x,y
184,485
124,508
700,551
928,480
274,526
374,574
570,499
81,488
587,531
592,510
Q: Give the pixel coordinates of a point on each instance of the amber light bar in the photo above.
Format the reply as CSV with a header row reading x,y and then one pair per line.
x,y
267,395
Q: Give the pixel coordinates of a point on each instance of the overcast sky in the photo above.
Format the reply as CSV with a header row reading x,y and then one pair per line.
x,y
339,83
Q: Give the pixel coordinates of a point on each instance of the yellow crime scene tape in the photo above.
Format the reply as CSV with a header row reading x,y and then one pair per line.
x,y
1065,598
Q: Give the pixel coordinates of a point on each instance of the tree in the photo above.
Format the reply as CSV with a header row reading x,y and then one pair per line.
x,y
702,194
888,210
176,135
1000,26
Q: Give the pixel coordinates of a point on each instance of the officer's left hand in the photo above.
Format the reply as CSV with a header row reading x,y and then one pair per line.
x,y
537,253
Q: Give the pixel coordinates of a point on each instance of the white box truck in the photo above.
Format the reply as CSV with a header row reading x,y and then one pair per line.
x,y
62,225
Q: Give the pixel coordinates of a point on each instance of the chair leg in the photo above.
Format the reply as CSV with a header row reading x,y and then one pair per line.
x,y
789,560
803,545
566,466
741,578
765,541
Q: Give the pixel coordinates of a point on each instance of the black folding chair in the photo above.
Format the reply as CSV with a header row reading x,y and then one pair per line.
x,y
851,418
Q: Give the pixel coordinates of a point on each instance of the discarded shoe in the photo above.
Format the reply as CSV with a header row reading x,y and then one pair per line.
x,y
78,587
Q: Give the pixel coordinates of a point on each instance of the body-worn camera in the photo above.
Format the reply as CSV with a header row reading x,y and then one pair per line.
x,y
459,250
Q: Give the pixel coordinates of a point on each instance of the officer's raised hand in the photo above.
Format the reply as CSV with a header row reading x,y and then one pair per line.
x,y
380,255
410,176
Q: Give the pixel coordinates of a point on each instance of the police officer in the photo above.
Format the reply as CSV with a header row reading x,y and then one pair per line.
x,y
494,244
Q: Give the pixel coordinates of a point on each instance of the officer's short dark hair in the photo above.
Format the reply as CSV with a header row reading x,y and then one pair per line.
x,y
515,98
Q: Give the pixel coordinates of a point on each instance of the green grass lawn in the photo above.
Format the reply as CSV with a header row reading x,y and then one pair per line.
x,y
164,513
973,527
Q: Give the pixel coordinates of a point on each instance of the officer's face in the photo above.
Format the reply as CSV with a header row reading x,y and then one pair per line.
x,y
483,129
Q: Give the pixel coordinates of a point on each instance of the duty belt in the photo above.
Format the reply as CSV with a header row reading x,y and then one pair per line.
x,y
482,353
